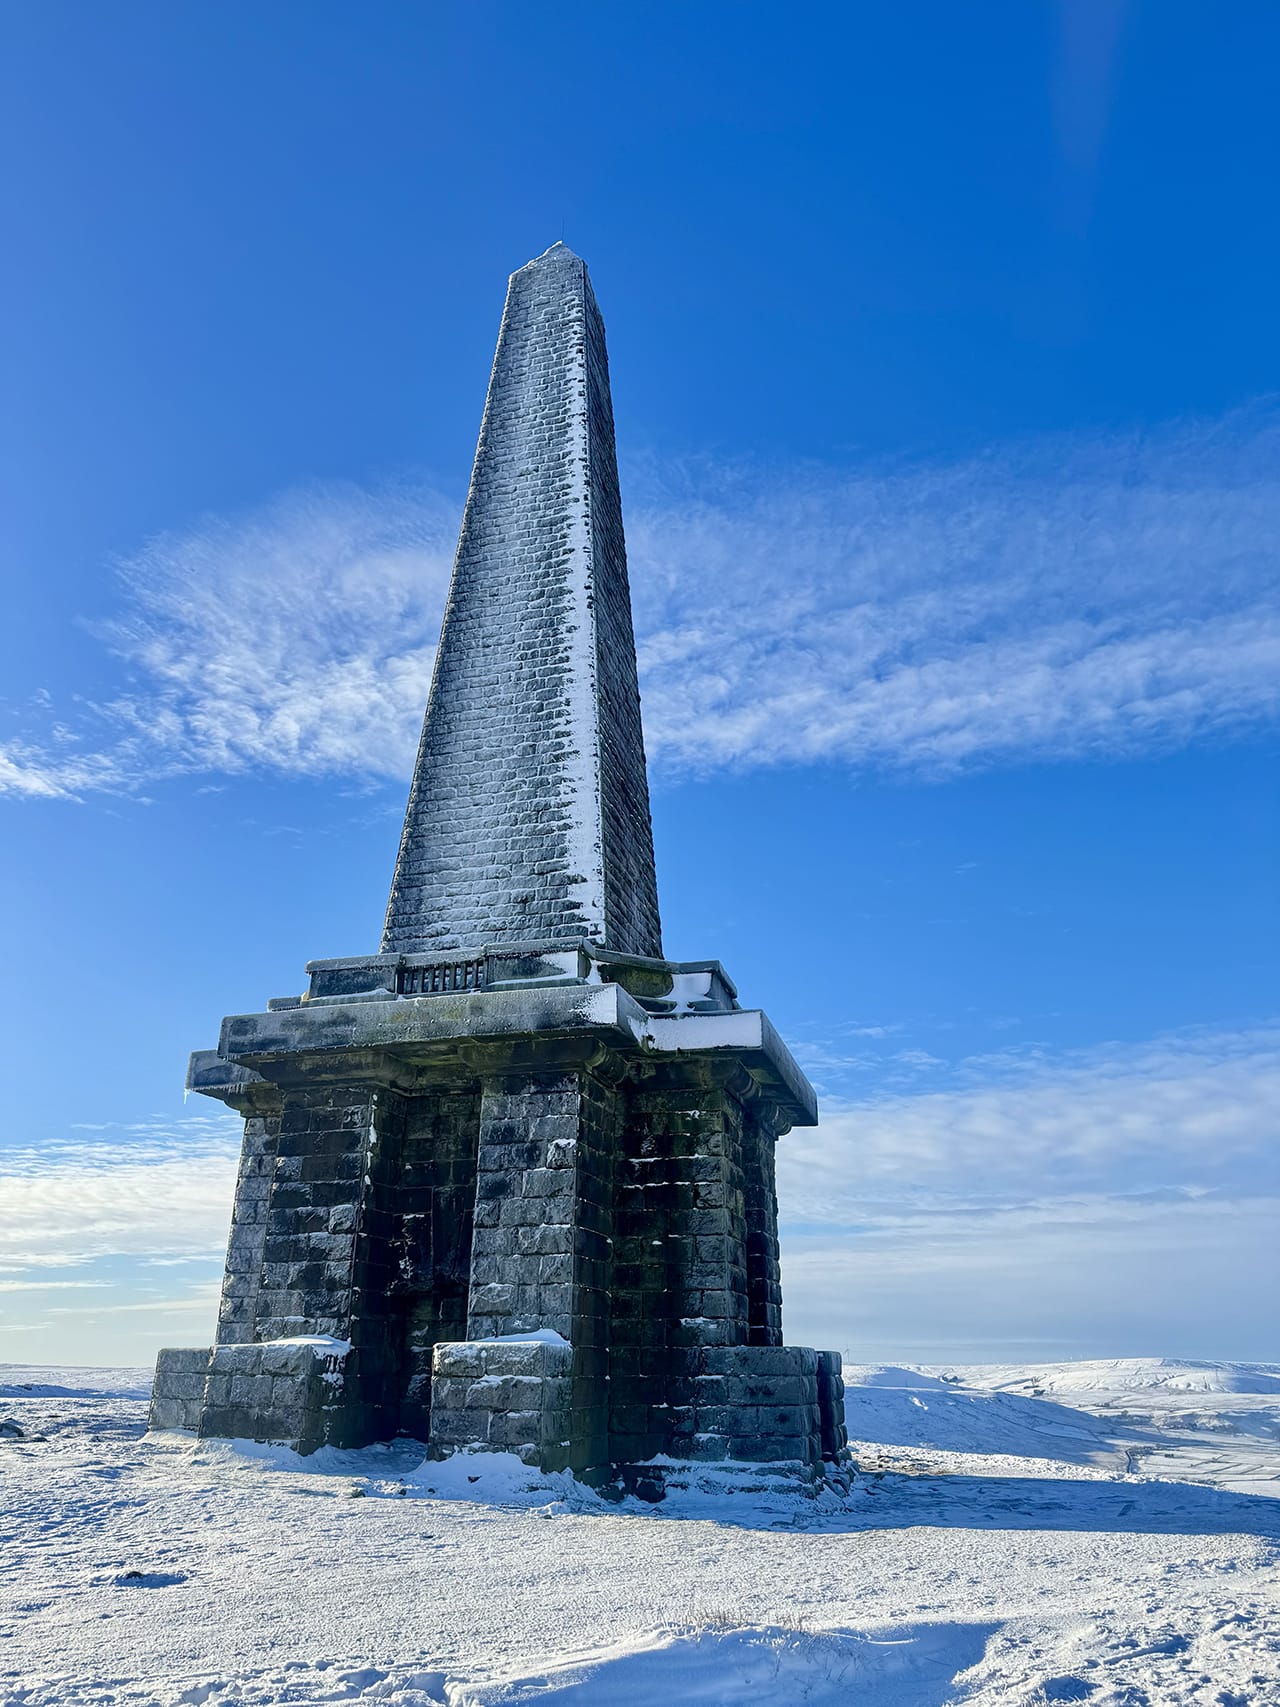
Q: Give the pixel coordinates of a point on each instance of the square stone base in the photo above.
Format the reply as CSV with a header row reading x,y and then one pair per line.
x,y
751,1404
506,1396
746,1404
290,1392
780,1408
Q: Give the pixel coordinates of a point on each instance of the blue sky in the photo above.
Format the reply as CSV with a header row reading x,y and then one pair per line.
x,y
945,367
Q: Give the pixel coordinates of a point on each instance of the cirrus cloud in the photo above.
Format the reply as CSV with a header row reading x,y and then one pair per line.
x,y
155,1189
1066,599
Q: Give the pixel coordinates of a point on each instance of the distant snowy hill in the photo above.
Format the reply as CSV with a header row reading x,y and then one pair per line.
x,y
1021,1535
39,1381
913,1407
1205,1422
1124,1375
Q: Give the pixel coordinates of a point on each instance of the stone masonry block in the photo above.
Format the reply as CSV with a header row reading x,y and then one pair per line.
x,y
450,1428
272,1392
251,1392
505,1392
506,1395
527,1357
186,1387
493,1300
753,1361
449,1392
512,1429
184,1360
770,1389
764,1449
707,1448
169,1413
177,1392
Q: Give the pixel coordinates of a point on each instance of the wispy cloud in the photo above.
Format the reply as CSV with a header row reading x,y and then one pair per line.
x,y
1063,599
1183,1109
201,1299
298,639
158,1189
1130,1190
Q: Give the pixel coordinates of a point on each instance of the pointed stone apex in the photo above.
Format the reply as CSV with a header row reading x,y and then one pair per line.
x,y
557,252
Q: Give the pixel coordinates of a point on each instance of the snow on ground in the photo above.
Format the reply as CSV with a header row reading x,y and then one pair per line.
x,y
1022,1535
1217,1423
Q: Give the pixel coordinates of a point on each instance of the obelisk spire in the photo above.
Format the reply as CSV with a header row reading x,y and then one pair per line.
x,y
528,818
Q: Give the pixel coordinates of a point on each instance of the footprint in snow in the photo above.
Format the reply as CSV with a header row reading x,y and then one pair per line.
x,y
150,1579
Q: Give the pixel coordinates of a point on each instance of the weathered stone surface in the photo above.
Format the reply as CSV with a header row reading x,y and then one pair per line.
x,y
291,1392
512,1397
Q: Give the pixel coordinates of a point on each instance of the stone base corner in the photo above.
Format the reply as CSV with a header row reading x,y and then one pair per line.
x,y
177,1392
287,1392
504,1396
834,1431
762,1404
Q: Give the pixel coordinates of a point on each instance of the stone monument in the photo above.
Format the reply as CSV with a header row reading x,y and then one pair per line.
x,y
509,1183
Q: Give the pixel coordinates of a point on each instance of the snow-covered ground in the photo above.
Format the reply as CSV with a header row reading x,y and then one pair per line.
x,y
1102,1532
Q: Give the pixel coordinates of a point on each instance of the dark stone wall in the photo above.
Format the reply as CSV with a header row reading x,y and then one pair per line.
x,y
602,1112
352,1219
316,1205
680,1275
628,1207
542,1252
327,1249
526,1214
760,1207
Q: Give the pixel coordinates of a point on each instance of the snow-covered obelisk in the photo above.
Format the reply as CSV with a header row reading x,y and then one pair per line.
x,y
528,818
508,1184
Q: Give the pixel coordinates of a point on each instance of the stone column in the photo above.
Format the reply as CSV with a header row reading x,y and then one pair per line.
x,y
325,1273
246,1245
680,1276
764,1279
540,1260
